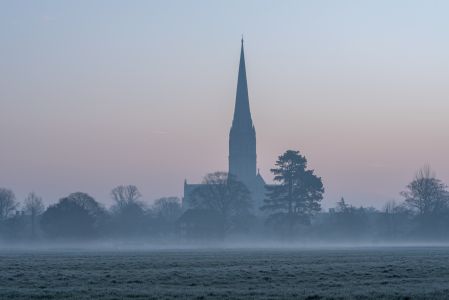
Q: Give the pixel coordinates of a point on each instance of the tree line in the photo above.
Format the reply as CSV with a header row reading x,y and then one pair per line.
x,y
80,217
223,208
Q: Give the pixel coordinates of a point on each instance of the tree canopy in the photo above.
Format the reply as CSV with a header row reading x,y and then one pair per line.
x,y
297,193
75,216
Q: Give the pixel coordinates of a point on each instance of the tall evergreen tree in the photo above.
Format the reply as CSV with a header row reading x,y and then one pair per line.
x,y
297,194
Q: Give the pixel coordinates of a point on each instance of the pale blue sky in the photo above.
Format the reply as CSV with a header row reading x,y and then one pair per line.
x,y
99,93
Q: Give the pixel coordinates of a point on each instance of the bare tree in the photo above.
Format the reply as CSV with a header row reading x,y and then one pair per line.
x,y
224,194
129,215
87,202
426,193
7,203
390,207
34,207
168,208
124,195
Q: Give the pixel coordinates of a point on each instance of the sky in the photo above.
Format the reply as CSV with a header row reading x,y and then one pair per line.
x,y
94,94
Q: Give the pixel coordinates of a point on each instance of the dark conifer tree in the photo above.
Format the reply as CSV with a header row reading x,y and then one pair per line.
x,y
297,194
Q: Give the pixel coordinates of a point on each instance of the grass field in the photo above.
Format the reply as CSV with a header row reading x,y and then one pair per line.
x,y
206,274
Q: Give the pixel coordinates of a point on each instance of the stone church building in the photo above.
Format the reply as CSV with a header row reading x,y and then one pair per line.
x,y
242,145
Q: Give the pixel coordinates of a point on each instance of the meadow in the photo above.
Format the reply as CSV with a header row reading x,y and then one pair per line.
x,y
358,273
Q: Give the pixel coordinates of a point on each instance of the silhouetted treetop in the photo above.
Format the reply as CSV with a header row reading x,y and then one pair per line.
x,y
8,203
426,193
76,216
125,194
297,193
168,208
34,207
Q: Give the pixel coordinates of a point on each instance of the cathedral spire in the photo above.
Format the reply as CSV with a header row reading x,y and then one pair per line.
x,y
242,137
242,113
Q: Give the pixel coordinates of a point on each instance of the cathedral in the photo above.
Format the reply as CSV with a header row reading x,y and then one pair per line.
x,y
242,145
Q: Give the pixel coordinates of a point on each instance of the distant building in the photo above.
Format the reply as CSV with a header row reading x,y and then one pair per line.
x,y
242,145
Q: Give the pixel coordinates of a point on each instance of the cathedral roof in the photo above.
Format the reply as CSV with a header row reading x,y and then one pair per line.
x,y
259,179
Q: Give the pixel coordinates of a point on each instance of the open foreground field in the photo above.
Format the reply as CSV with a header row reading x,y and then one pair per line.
x,y
233,273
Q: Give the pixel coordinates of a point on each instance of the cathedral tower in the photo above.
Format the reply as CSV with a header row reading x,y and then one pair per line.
x,y
242,137
242,147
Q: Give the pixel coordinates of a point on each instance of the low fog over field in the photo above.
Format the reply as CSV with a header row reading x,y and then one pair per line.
x,y
222,212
